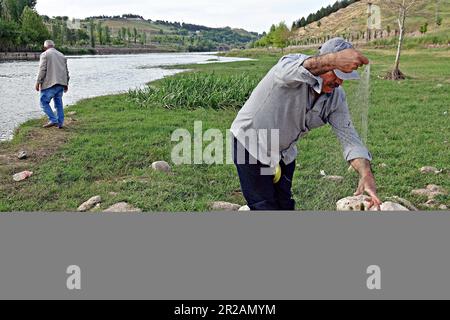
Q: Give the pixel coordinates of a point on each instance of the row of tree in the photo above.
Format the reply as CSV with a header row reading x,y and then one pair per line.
x,y
322,13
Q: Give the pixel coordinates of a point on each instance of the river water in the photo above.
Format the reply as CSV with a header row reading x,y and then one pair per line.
x,y
90,76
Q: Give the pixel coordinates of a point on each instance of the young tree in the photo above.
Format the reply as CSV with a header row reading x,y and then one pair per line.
x,y
107,32
280,36
33,29
92,32
135,35
404,7
100,32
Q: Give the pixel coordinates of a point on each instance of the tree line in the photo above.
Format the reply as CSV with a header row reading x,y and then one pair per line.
x,y
21,27
322,13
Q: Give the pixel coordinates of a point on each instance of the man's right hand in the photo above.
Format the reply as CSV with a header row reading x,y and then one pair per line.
x,y
38,87
66,88
349,60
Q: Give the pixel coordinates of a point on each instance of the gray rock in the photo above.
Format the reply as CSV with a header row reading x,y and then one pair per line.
x,y
359,203
431,191
244,208
161,166
22,155
443,207
392,206
122,207
403,202
21,176
427,170
71,113
334,178
224,206
88,205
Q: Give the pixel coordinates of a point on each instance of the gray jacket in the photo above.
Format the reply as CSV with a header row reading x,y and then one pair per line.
x,y
284,100
53,69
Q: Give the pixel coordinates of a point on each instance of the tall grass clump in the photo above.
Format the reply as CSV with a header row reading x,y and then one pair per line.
x,y
197,90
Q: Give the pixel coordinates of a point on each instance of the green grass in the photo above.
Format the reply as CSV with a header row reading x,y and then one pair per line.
x,y
198,90
110,147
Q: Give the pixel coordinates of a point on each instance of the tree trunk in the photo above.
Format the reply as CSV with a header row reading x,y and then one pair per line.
x,y
396,73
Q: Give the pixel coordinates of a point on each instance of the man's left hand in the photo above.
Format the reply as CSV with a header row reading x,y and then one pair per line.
x,y
38,87
367,184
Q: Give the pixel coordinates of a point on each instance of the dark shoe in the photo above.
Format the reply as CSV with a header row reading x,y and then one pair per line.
x,y
49,125
61,127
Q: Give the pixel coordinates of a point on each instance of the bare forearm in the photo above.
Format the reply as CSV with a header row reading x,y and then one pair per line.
x,y
346,60
320,64
362,166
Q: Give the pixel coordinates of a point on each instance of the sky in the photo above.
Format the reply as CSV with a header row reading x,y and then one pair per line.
x,y
252,15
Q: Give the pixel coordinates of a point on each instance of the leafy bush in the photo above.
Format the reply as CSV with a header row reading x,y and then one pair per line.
x,y
197,90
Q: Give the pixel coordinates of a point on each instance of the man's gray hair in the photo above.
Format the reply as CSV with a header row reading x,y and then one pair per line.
x,y
49,44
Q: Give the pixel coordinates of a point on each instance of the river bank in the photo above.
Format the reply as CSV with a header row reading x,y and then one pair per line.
x,y
110,143
34,56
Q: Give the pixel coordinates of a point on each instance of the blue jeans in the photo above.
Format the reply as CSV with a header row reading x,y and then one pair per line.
x,y
259,190
55,93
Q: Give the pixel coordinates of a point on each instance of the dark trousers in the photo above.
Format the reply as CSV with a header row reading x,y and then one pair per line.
x,y
259,190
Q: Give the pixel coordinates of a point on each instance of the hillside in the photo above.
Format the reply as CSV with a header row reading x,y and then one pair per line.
x,y
178,36
351,22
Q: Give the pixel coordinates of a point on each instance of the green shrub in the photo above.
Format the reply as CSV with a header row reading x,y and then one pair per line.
x,y
197,90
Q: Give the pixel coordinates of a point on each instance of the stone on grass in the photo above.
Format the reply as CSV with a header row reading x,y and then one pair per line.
x,y
22,155
122,207
224,206
431,191
244,208
392,206
361,203
403,202
427,170
72,113
383,165
88,205
161,166
443,207
22,176
334,178
358,203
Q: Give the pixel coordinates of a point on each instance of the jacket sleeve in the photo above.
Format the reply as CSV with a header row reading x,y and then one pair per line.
x,y
340,120
67,70
290,72
42,69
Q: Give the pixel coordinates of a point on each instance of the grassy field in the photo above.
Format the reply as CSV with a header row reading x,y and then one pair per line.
x,y
109,145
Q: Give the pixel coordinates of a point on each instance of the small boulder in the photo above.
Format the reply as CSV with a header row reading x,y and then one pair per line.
x,y
244,208
161,166
22,155
392,206
359,203
427,170
88,205
443,207
403,202
431,191
224,206
122,207
22,176
334,178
